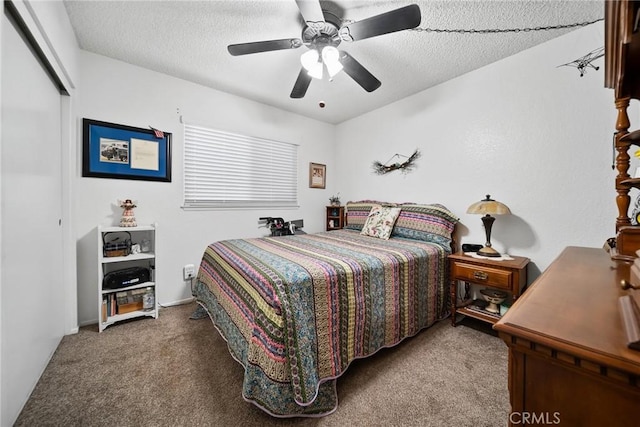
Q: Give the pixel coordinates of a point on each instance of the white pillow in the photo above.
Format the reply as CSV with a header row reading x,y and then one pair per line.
x,y
380,222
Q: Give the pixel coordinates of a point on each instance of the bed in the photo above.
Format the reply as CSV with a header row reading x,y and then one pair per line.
x,y
295,311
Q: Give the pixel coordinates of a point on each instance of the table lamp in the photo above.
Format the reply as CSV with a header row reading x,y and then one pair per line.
x,y
488,207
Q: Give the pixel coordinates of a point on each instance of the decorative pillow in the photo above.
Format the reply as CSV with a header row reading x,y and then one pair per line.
x,y
431,223
357,212
380,222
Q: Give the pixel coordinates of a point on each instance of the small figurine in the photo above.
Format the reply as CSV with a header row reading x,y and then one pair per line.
x,y
128,218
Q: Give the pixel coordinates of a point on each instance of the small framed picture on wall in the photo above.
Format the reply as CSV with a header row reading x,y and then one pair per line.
x,y
317,175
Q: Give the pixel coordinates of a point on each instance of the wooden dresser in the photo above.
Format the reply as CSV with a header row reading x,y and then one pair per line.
x,y
568,359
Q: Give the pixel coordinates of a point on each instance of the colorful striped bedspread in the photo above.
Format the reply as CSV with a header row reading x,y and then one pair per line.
x,y
296,310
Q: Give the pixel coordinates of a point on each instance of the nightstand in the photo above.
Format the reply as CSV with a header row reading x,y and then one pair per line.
x,y
334,218
505,275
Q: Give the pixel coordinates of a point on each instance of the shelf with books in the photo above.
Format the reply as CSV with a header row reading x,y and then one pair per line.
x,y
126,303
123,300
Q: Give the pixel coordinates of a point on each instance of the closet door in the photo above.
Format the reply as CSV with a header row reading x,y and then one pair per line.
x,y
32,289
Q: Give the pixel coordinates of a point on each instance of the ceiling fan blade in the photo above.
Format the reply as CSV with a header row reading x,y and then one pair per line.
x,y
310,10
396,20
264,46
302,84
358,73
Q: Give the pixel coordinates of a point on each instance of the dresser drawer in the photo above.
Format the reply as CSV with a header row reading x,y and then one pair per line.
x,y
482,275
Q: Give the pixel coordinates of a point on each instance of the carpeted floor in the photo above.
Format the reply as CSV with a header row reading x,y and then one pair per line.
x,y
176,371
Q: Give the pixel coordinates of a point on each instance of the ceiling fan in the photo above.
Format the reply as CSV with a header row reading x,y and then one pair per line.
x,y
323,33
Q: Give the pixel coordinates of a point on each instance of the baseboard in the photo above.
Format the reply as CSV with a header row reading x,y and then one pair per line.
x,y
179,302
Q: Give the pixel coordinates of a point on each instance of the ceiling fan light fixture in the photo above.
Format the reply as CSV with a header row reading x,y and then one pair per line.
x,y
316,71
331,58
333,69
310,61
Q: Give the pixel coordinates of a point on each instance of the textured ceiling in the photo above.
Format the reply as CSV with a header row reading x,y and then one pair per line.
x,y
189,40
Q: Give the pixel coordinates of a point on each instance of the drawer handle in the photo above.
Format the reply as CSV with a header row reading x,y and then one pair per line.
x,y
480,275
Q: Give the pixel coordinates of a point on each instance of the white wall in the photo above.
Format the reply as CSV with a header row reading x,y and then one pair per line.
x,y
534,136
117,92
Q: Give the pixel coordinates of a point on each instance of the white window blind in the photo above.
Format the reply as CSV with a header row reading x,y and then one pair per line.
x,y
223,169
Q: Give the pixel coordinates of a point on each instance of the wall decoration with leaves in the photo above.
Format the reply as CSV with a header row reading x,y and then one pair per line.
x,y
405,167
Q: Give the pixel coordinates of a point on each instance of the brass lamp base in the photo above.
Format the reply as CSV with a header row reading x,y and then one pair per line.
x,y
488,251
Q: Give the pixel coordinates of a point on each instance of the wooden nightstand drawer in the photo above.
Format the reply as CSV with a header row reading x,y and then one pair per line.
x,y
480,275
507,274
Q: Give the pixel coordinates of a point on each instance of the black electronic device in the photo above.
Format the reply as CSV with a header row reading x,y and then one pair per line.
x,y
126,277
470,247
279,227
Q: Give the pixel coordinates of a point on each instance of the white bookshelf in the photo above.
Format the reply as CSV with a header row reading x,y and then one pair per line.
x,y
106,264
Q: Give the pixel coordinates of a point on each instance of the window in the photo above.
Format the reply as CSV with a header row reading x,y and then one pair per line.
x,y
226,170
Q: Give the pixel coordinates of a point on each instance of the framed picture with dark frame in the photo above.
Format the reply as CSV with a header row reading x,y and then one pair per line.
x,y
111,150
317,175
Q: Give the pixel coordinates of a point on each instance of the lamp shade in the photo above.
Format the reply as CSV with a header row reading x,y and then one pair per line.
x,y
488,206
331,59
309,59
311,62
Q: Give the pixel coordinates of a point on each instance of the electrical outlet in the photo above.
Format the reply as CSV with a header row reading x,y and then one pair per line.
x,y
189,272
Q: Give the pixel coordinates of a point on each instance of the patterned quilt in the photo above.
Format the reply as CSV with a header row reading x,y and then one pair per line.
x,y
296,310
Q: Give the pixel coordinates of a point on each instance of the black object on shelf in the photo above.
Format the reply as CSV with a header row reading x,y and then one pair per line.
x,y
126,277
469,247
279,227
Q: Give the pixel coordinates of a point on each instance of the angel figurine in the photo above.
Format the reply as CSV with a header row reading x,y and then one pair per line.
x,y
128,218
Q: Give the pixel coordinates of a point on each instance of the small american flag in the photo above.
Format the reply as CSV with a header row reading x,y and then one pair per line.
x,y
157,133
